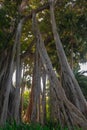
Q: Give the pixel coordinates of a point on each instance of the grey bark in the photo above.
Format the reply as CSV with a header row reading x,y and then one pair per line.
x,y
70,84
22,93
53,108
10,104
71,115
3,64
7,79
16,102
7,87
43,118
35,117
71,61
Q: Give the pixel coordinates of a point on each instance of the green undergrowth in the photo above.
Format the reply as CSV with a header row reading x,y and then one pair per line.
x,y
31,126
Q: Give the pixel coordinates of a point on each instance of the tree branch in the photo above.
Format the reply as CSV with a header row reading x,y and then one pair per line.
x,y
45,6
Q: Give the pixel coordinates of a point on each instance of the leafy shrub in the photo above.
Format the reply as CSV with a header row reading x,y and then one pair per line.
x,y
26,100
82,80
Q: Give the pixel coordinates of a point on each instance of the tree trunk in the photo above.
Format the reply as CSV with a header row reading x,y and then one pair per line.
x,y
7,79
22,100
27,117
70,84
52,103
10,104
71,115
43,117
35,117
4,63
6,84
16,103
71,61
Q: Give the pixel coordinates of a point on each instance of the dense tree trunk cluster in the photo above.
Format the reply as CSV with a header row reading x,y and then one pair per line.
x,y
70,84
65,110
67,103
6,88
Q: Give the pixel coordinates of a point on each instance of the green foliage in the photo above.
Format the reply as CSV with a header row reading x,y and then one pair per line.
x,y
72,27
82,80
26,100
31,126
73,19
8,20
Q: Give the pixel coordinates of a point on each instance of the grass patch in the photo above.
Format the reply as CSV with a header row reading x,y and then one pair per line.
x,y
31,126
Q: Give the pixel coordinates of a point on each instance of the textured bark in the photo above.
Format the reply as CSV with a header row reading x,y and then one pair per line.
x,y
4,63
6,84
22,100
70,84
10,104
39,90
7,80
35,117
53,107
27,116
67,111
43,117
16,103
71,61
